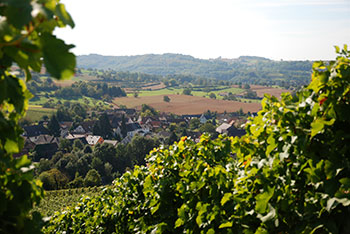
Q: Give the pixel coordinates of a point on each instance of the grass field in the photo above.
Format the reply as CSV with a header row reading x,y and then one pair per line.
x,y
83,100
170,91
261,90
66,83
35,112
183,104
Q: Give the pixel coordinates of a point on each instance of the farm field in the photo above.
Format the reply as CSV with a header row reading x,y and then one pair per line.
x,y
169,91
183,104
261,90
82,100
35,112
66,83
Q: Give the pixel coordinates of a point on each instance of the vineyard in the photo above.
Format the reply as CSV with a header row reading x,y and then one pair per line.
x,y
59,200
289,174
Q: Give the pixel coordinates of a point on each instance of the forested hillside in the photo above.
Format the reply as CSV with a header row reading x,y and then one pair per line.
x,y
245,69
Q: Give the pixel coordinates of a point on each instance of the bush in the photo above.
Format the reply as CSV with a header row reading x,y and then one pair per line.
x,y
92,178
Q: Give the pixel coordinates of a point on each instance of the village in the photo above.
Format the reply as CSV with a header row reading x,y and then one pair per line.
x,y
127,123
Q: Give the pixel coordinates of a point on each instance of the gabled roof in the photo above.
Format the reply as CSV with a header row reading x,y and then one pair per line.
x,y
66,125
114,143
43,139
88,125
190,116
35,130
130,127
93,140
223,127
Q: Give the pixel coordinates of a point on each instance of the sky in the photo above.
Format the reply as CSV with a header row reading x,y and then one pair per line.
x,y
275,29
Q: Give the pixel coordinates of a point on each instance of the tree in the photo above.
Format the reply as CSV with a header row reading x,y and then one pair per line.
x,y
194,123
27,40
186,91
92,178
53,179
105,126
166,98
78,145
208,128
54,126
172,138
123,128
212,95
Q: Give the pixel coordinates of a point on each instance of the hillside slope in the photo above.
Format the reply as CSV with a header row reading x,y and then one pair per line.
x,y
246,69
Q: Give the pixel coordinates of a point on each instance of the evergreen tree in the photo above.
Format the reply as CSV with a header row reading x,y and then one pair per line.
x,y
123,129
54,126
105,126
96,129
172,138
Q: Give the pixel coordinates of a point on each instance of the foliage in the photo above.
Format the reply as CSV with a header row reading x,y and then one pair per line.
x,y
92,178
166,98
59,200
103,127
97,91
53,179
26,39
148,111
187,91
289,174
54,126
176,68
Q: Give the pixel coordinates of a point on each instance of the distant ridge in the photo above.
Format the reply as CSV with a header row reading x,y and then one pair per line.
x,y
239,69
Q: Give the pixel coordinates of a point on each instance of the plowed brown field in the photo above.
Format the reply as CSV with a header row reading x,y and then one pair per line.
x,y
182,104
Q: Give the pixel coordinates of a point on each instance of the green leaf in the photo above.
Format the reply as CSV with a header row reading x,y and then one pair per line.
x,y
262,200
64,15
59,62
11,146
23,162
18,13
226,225
337,49
211,231
226,198
316,127
261,230
179,222
345,181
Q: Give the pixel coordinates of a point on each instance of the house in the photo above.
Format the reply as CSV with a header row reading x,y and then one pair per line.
x,y
144,120
44,145
85,127
126,111
65,126
133,128
189,117
230,130
93,140
203,119
114,143
71,137
35,130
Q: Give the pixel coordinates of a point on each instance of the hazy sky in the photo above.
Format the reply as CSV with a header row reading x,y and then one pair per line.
x,y
276,29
